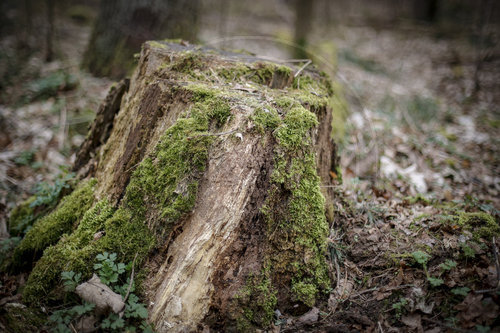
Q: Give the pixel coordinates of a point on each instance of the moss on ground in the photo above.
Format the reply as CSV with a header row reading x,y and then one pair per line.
x,y
482,225
21,319
21,217
48,230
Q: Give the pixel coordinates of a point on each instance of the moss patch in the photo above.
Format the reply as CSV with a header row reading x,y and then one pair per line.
x,y
21,319
21,217
256,303
122,234
166,183
50,228
482,225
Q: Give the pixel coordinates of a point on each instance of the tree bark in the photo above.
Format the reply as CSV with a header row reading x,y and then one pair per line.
x,y
122,27
228,163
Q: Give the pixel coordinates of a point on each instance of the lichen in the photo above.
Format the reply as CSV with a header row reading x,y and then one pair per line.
x,y
49,229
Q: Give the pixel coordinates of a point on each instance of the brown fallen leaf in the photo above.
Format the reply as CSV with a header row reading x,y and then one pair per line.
x,y
96,292
414,321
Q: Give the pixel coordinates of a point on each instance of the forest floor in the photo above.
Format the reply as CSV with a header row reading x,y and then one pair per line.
x,y
414,244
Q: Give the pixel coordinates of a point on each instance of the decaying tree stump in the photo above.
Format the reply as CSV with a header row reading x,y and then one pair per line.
x,y
214,172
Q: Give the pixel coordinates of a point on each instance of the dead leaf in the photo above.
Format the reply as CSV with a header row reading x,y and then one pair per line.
x,y
309,317
413,320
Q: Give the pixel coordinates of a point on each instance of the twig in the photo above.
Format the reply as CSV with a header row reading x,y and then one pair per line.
x,y
308,62
380,327
73,328
384,289
131,279
62,126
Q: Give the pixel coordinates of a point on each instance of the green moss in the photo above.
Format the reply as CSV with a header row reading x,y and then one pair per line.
x,y
482,225
305,292
187,62
297,226
283,70
157,44
122,234
47,230
296,124
161,191
21,217
238,72
266,119
311,92
167,181
256,303
285,102
21,319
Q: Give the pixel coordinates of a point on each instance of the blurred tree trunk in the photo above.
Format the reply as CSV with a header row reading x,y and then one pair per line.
x,y
123,25
303,24
425,10
49,35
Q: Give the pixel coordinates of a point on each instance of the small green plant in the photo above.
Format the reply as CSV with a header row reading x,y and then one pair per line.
x,y
483,329
70,280
468,251
107,270
423,258
400,306
25,157
61,319
448,265
434,281
49,194
112,274
460,291
49,86
6,246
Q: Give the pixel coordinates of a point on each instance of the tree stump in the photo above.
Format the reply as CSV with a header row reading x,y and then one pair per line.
x,y
216,172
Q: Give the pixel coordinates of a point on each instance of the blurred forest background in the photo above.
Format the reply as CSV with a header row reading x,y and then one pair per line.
x,y
421,143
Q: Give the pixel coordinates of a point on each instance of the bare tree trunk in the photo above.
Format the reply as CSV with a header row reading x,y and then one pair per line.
x,y
49,34
122,27
425,10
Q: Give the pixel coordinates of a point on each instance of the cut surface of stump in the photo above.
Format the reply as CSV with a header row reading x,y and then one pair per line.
x,y
214,172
